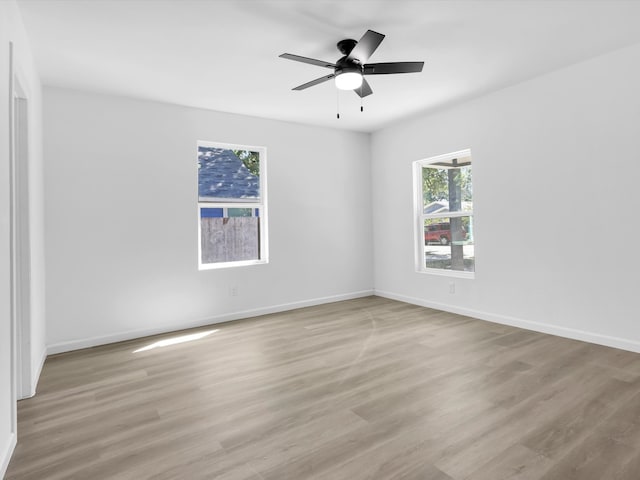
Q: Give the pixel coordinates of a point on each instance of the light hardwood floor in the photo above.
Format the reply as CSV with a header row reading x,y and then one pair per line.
x,y
363,389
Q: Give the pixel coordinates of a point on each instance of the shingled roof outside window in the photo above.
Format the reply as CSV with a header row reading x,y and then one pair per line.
x,y
223,175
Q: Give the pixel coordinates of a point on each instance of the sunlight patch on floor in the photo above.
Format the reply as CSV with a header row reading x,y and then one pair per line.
x,y
175,340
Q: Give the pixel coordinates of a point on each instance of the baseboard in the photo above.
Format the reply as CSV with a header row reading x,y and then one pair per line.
x,y
34,377
38,371
132,334
5,455
574,334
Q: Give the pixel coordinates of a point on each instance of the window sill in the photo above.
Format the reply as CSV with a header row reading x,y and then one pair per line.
x,y
447,273
245,263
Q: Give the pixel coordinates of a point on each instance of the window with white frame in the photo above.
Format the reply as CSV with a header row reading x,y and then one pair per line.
x,y
444,214
232,205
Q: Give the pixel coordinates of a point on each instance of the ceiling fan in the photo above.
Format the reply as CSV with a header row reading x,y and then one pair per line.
x,y
350,69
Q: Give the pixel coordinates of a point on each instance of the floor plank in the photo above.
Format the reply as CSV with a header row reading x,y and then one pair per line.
x,y
364,389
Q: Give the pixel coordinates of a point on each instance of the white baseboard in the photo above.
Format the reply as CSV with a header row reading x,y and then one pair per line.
x,y
38,371
62,347
582,335
5,455
34,377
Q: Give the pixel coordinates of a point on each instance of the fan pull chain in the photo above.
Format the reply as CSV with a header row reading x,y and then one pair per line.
x,y
337,104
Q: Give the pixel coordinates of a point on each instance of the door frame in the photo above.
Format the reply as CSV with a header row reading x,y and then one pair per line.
x,y
20,241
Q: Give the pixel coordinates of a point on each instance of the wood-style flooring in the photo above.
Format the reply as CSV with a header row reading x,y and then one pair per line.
x,y
363,389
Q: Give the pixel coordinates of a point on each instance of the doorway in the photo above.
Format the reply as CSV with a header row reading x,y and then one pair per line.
x,y
20,236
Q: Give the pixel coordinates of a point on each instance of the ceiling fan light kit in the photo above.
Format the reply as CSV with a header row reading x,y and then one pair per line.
x,y
348,80
349,71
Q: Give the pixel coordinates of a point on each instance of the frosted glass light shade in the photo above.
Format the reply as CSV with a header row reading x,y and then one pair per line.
x,y
348,80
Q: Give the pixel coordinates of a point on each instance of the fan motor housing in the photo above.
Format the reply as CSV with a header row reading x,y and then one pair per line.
x,y
345,46
343,65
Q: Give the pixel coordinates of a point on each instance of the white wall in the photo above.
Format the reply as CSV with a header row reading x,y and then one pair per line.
x,y
12,30
121,220
556,176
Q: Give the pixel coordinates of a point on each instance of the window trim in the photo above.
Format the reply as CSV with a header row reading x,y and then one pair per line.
x,y
260,204
420,216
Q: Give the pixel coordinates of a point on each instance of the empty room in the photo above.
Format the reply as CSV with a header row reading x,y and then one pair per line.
x,y
238,239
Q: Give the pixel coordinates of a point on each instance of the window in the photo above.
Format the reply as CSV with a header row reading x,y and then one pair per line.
x,y
444,215
232,205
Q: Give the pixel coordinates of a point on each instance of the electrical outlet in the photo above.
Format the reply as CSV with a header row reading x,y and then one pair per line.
x,y
452,288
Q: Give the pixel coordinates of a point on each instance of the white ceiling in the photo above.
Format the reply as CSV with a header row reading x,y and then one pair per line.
x,y
223,54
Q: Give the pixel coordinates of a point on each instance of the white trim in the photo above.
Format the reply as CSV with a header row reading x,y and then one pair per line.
x,y
20,157
133,334
241,263
240,202
258,203
447,273
574,334
36,377
418,224
438,216
420,217
444,157
5,456
23,239
226,205
13,371
231,146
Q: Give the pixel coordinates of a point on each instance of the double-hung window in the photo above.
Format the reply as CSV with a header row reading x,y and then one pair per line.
x,y
232,205
444,214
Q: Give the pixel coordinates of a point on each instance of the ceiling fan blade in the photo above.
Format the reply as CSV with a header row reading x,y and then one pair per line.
x,y
365,46
364,90
312,61
314,82
392,67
